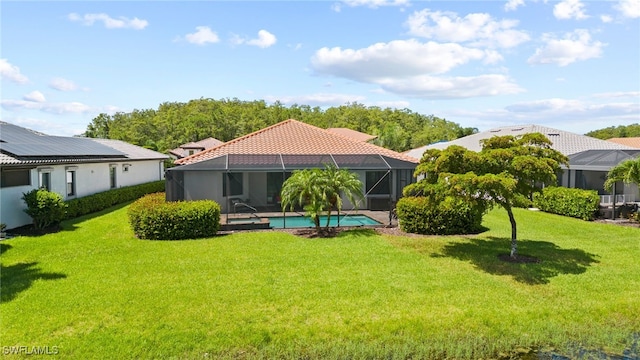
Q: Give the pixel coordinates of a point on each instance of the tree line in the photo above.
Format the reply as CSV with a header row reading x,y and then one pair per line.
x,y
620,131
176,123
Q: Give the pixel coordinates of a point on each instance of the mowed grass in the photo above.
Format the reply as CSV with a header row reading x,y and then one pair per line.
x,y
95,291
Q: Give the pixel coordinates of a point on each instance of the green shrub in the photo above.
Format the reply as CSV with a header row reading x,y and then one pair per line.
x,y
46,208
422,216
577,203
103,200
151,217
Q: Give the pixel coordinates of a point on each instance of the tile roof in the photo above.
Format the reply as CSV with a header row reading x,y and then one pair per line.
x,y
565,142
630,141
183,150
355,135
293,137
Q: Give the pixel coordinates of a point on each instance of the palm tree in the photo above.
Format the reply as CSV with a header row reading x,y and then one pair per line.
x,y
337,182
627,171
319,190
303,189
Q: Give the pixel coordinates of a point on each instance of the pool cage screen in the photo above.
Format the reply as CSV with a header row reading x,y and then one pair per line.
x,y
287,163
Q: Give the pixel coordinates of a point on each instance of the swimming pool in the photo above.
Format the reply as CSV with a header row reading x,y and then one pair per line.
x,y
280,222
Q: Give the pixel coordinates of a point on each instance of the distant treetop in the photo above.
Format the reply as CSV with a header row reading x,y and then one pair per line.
x,y
620,131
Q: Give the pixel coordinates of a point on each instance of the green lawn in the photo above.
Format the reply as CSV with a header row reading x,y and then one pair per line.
x,y
94,291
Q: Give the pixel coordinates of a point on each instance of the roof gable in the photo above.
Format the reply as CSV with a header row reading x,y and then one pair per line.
x,y
563,141
293,137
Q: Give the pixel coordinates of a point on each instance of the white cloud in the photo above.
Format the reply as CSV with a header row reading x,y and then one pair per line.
x,y
52,108
399,58
11,72
575,109
512,5
400,104
320,99
629,8
574,46
479,29
606,18
579,116
265,39
432,87
202,36
635,95
62,84
35,96
337,7
569,9
109,22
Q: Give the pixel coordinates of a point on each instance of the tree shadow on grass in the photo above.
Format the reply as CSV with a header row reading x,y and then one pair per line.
x,y
4,248
554,261
17,278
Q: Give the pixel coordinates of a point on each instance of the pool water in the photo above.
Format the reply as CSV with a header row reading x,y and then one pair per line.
x,y
280,222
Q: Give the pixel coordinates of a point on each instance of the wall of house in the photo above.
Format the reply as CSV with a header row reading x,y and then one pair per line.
x,y
11,206
203,185
90,178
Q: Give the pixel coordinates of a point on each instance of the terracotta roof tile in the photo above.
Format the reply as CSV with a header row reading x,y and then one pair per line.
x,y
353,134
293,137
631,141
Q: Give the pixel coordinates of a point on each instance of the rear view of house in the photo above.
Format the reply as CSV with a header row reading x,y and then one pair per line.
x,y
251,169
72,167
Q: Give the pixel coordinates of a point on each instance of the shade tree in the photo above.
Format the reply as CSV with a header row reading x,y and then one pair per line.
x,y
506,172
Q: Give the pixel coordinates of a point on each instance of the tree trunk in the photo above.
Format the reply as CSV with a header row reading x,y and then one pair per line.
x,y
329,218
514,241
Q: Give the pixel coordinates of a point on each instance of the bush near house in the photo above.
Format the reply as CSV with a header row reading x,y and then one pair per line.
x,y
577,203
103,200
422,216
153,218
46,208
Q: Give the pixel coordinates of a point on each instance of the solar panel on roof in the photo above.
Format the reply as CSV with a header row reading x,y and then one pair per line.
x,y
21,142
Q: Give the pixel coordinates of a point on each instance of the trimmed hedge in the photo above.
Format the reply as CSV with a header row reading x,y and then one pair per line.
x,y
421,216
153,218
46,208
577,203
106,199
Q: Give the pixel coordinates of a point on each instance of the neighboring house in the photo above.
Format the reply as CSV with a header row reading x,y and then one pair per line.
x,y
589,158
353,134
631,141
251,169
70,166
191,148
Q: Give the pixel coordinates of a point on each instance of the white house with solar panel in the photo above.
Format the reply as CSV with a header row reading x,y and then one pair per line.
x,y
590,159
70,166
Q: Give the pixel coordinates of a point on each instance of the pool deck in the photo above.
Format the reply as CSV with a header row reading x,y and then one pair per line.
x,y
380,216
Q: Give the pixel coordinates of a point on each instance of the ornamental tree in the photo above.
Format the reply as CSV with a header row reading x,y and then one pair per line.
x,y
506,172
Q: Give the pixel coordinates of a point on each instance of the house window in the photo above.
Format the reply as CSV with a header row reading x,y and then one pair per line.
x,y
17,177
71,182
125,167
113,176
44,178
234,186
378,183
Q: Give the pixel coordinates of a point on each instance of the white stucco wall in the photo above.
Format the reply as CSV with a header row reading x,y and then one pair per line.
x,y
91,178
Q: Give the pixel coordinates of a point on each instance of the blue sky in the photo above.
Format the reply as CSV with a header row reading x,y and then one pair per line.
x,y
573,65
